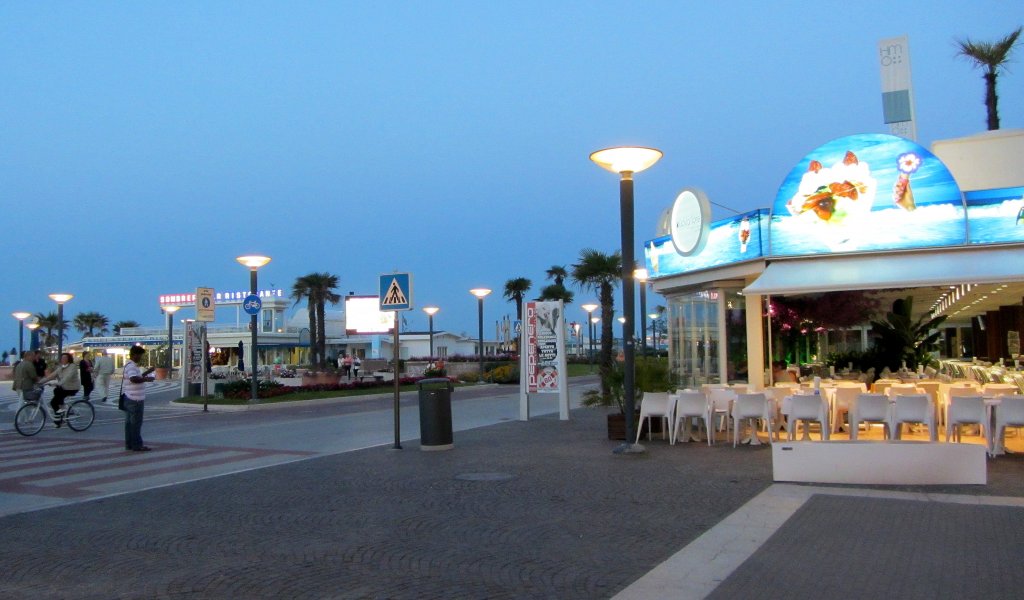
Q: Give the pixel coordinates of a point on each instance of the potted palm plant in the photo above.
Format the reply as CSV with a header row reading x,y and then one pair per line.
x,y
651,375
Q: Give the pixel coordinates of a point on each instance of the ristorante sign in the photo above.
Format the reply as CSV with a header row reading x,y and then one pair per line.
x,y
220,297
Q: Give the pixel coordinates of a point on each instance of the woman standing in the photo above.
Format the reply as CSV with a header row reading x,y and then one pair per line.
x,y
85,374
68,383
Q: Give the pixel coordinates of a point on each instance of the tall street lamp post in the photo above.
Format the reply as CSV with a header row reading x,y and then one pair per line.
x,y
21,316
60,299
626,161
431,311
641,276
253,263
170,310
32,326
590,308
480,294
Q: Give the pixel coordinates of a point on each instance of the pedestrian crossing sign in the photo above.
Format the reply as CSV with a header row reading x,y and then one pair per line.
x,y
396,291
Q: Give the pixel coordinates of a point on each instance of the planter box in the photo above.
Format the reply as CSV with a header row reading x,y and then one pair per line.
x,y
617,426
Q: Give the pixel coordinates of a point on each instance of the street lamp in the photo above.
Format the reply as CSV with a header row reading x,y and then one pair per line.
x,y
641,276
32,326
626,161
21,316
431,311
590,308
60,299
654,331
480,294
170,310
253,263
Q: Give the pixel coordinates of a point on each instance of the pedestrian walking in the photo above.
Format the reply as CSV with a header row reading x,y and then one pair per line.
x,y
356,363
68,383
85,374
103,370
25,376
346,366
134,390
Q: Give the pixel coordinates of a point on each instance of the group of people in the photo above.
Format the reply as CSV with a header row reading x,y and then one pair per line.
x,y
349,365
69,377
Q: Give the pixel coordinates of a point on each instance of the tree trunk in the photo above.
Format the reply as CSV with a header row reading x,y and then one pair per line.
x,y
605,359
991,100
311,310
321,335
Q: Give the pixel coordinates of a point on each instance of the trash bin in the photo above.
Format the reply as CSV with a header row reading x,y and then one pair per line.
x,y
218,390
435,414
195,389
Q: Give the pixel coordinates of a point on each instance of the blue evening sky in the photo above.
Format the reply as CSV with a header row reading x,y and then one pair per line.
x,y
144,145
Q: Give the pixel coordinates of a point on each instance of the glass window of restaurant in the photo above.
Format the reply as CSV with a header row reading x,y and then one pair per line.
x,y
696,337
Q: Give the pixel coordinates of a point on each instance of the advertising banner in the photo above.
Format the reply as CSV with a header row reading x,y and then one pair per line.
x,y
194,337
543,347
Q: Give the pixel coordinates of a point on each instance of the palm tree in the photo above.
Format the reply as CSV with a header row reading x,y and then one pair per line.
x,y
321,291
558,273
89,322
302,290
556,292
990,56
48,323
515,289
601,272
124,325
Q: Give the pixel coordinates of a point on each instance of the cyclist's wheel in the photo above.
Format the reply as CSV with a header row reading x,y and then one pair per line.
x,y
29,419
80,415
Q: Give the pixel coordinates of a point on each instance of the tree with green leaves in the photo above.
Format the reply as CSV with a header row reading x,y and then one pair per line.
x,y
515,291
556,292
601,272
558,274
990,56
48,324
124,325
899,339
302,290
91,322
318,289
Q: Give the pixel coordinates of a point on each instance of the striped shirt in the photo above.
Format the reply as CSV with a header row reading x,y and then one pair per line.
x,y
134,391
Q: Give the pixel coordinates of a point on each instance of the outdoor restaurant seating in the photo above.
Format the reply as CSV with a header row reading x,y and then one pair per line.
x,y
720,401
870,408
807,408
691,404
843,397
967,410
915,408
1009,413
753,408
655,405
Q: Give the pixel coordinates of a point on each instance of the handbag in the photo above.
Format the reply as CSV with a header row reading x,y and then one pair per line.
x,y
120,402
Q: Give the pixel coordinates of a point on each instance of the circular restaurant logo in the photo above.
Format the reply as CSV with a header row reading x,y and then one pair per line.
x,y
690,221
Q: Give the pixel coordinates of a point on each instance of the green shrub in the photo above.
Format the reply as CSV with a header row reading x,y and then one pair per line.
x,y
503,374
469,377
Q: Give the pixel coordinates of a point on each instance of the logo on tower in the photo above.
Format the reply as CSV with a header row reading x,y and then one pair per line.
x,y
396,291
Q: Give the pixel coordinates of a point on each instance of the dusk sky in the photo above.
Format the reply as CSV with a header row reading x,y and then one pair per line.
x,y
145,145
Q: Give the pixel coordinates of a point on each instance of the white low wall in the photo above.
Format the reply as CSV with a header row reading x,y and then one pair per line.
x,y
880,463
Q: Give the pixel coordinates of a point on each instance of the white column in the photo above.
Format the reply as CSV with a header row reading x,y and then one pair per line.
x,y
755,340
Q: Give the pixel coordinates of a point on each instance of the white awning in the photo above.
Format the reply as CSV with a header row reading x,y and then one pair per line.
x,y
884,271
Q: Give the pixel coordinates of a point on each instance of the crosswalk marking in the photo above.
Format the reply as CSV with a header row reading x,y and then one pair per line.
x,y
73,468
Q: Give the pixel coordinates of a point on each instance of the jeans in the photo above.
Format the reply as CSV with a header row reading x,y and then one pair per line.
x,y
133,424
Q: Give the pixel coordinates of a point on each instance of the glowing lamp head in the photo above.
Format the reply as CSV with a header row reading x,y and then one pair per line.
x,y
171,309
640,275
253,262
431,310
653,316
589,307
33,325
21,316
627,159
61,298
480,292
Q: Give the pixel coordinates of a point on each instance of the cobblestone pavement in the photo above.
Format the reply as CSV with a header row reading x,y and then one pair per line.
x,y
541,509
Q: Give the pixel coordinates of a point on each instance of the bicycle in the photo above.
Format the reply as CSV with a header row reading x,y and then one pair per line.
x,y
30,418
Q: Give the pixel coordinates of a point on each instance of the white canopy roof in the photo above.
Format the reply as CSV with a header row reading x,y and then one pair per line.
x,y
935,267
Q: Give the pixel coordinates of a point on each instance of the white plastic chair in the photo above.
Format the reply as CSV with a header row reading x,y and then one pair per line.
x,y
806,408
720,401
845,396
870,408
913,408
655,404
1009,413
752,407
967,410
691,405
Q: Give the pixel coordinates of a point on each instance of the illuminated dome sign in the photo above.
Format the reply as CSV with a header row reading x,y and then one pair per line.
x,y
689,221
867,192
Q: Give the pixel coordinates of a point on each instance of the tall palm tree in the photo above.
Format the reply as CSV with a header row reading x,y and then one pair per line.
x,y
515,290
990,56
601,272
89,322
321,291
302,290
48,323
556,292
124,325
558,273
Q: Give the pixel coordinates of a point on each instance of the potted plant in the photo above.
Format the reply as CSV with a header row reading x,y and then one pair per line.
x,y
650,374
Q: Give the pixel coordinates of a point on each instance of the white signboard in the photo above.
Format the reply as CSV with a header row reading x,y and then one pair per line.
x,y
205,305
544,360
897,91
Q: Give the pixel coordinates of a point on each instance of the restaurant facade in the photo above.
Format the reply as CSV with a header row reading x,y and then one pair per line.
x,y
871,212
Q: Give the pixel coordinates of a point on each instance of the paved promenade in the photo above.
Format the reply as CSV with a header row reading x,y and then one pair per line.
x,y
540,509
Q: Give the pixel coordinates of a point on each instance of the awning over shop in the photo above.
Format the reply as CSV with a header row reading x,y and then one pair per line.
x,y
886,271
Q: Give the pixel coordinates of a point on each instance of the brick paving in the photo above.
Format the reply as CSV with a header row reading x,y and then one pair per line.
x,y
517,510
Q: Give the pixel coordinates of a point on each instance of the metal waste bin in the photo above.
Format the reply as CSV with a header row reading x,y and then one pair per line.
x,y
435,414
195,389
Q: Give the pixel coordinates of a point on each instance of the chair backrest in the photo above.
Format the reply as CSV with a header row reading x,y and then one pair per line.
x,y
873,407
805,407
748,405
966,409
719,398
905,389
999,389
958,390
846,395
1011,410
691,404
913,408
655,403
786,384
